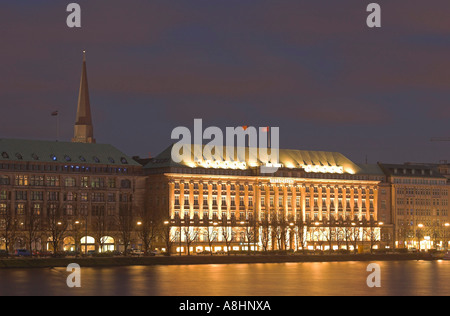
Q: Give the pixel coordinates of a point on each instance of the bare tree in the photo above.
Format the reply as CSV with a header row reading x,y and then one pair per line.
x,y
227,234
355,237
148,228
210,232
8,229
125,224
165,232
101,225
301,237
57,227
191,234
280,225
30,224
265,233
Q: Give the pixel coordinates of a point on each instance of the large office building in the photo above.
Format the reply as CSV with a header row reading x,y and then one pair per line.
x,y
316,200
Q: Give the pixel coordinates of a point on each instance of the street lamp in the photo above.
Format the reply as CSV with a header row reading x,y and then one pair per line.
x,y
446,225
419,234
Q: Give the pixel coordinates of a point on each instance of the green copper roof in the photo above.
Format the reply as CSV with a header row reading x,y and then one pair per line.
x,y
62,152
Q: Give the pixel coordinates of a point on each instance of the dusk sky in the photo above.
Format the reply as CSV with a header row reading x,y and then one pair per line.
x,y
312,68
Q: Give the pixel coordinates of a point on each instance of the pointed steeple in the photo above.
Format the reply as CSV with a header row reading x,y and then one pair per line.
x,y
84,131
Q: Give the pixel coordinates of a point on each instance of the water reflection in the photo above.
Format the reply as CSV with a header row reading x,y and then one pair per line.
x,y
287,279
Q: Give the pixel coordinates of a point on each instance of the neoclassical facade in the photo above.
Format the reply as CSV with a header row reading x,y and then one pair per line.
x,y
294,208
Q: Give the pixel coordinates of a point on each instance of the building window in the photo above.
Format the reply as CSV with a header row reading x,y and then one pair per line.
x,y
98,182
69,210
37,196
52,181
84,197
84,182
70,182
53,196
125,184
111,183
21,180
21,195
36,209
4,180
20,209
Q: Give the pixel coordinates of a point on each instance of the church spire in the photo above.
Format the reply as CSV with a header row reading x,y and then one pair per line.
x,y
84,131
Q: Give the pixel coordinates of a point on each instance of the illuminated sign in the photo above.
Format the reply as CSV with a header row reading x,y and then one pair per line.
x,y
282,180
323,169
220,164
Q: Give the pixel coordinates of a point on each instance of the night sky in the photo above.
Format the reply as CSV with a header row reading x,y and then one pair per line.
x,y
312,68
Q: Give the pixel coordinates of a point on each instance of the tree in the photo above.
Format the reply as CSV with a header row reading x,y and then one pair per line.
x,y
250,234
265,232
190,233
301,236
355,237
57,227
125,225
148,228
31,226
227,234
8,229
210,232
101,225
165,231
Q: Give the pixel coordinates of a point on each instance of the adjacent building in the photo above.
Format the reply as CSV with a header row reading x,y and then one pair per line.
x,y
419,205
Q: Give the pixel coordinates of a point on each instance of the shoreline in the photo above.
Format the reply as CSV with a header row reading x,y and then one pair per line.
x,y
26,263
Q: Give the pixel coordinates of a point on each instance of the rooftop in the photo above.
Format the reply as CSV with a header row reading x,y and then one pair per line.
x,y
64,152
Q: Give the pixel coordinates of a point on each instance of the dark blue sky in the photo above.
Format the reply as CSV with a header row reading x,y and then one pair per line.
x,y
312,68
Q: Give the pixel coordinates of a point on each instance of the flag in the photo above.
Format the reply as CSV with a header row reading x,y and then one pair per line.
x,y
55,113
265,129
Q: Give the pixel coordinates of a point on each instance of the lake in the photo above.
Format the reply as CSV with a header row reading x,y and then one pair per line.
x,y
280,279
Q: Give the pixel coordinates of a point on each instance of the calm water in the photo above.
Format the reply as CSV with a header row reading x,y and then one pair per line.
x,y
286,279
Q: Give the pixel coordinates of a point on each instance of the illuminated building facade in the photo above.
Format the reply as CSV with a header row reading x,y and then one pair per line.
x,y
419,205
301,206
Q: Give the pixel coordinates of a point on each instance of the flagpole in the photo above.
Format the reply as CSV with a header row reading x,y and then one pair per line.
x,y
56,113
